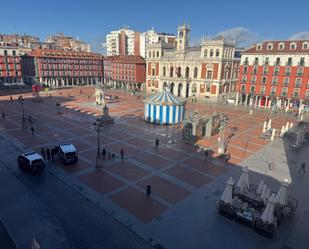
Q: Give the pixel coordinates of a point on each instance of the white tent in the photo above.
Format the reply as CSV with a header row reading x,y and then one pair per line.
x,y
243,182
268,213
34,244
260,187
281,197
227,195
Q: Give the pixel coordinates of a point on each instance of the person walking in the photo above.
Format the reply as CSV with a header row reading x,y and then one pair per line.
x,y
48,154
270,166
43,153
157,142
206,155
122,153
302,168
227,157
113,156
11,98
32,130
3,115
103,153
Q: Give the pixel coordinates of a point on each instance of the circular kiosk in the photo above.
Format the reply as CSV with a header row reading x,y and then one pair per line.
x,y
164,108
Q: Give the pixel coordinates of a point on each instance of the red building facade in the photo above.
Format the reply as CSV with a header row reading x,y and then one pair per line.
x,y
125,71
10,65
62,68
275,73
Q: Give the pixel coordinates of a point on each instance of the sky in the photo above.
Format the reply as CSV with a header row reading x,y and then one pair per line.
x,y
91,20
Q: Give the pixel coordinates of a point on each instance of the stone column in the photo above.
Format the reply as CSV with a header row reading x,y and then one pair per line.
x,y
237,98
246,100
256,101
266,104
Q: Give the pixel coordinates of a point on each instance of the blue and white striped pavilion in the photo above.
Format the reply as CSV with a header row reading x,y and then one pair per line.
x,y
164,108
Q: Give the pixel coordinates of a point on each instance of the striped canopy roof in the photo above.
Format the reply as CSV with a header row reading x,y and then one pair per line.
x,y
164,98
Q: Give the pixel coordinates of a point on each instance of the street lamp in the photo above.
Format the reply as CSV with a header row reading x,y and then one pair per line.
x,y
21,101
99,128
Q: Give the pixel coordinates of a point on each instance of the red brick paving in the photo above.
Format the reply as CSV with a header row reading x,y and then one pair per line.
x,y
170,153
189,176
127,170
205,167
72,168
145,208
153,161
165,189
101,181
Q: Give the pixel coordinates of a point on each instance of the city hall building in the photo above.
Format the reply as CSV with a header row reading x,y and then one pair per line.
x,y
275,73
208,71
62,68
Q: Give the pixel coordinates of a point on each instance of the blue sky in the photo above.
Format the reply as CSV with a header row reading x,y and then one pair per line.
x,y
92,19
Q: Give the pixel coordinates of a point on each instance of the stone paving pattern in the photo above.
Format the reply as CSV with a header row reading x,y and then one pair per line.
x,y
176,172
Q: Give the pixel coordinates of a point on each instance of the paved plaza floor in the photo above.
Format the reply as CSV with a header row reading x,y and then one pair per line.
x,y
181,210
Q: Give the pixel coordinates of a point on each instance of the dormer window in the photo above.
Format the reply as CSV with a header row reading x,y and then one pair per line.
x,y
269,46
293,46
281,46
305,45
259,47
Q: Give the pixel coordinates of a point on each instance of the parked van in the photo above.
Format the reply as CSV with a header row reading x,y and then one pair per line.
x,y
67,153
31,161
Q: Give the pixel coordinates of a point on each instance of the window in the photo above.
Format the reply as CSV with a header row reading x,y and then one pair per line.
x,y
253,79
209,74
265,70
269,46
284,91
243,88
205,53
14,53
256,61
288,71
207,87
262,89
289,63
293,46
171,71
255,70
158,54
178,72
301,62
281,46
298,82
305,45
252,89
211,53
164,71
153,71
266,62
264,80
276,70
245,70
274,81
246,62
5,52
286,81
244,79
217,53
300,71
296,93
153,54
187,72
273,90
195,72
277,63
259,47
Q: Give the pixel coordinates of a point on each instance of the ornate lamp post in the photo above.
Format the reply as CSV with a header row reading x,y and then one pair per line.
x,y
99,128
21,101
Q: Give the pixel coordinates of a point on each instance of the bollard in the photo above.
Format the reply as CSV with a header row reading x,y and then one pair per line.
x,y
148,189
